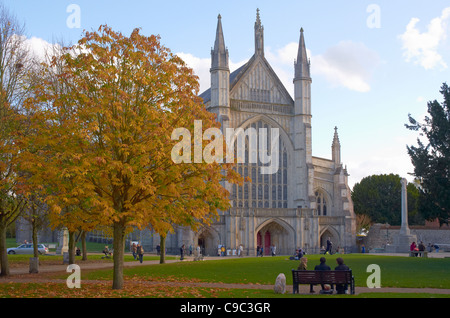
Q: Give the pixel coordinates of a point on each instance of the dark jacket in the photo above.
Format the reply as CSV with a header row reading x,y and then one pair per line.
x,y
322,267
342,267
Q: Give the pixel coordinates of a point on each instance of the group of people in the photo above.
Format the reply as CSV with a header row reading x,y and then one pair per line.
x,y
223,251
340,288
260,250
138,251
299,253
421,247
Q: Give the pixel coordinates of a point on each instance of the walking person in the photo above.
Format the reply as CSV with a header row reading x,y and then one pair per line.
x,y
329,246
182,252
140,252
134,250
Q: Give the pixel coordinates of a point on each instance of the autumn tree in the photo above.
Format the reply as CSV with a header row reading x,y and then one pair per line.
x,y
14,65
105,139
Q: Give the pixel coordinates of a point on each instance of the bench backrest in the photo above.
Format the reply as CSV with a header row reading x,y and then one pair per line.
x,y
322,277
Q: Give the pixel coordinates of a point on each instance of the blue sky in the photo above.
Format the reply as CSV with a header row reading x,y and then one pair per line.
x,y
372,62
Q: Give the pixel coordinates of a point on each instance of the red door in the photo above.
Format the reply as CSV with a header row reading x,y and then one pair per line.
x,y
267,243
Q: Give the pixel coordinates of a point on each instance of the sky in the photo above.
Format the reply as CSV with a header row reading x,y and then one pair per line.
x,y
372,62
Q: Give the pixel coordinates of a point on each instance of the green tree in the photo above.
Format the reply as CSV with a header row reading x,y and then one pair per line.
x,y
431,159
379,197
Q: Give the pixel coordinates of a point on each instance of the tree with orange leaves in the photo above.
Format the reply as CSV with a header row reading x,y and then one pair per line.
x,y
104,136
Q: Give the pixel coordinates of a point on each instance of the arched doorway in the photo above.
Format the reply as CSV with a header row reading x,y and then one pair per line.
x,y
208,240
273,233
334,238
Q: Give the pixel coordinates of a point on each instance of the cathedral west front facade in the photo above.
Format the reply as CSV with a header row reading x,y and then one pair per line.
x,y
307,199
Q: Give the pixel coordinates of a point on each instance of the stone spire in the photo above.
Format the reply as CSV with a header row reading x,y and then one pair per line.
x,y
259,35
302,64
220,78
219,55
336,148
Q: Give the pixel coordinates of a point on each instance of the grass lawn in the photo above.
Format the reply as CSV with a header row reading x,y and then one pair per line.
x,y
143,281
395,271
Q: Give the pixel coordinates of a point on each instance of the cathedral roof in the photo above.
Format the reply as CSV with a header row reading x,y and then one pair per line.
x,y
236,75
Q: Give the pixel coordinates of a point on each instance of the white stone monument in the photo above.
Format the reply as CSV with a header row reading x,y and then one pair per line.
x,y
63,240
403,240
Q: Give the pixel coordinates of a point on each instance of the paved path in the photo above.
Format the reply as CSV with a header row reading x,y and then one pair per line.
x,y
21,274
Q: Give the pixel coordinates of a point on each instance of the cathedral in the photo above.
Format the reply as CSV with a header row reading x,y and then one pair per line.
x,y
307,199
304,201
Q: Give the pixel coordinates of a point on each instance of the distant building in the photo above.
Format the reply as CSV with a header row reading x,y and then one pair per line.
x,y
307,199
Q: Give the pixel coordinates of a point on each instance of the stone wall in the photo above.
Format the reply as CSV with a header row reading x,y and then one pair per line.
x,y
380,234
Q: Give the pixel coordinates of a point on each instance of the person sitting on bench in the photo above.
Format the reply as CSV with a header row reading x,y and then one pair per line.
x,y
341,288
107,252
323,267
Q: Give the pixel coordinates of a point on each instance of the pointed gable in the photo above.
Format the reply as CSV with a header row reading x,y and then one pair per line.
x,y
256,81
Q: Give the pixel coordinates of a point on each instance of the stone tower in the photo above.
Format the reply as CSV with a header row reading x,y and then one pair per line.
x,y
302,128
220,78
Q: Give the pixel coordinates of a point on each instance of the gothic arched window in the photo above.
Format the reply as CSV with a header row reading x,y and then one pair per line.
x,y
264,191
321,203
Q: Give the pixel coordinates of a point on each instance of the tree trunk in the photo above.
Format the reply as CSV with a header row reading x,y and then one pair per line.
x,y
71,247
34,237
83,246
162,256
118,253
4,270
34,261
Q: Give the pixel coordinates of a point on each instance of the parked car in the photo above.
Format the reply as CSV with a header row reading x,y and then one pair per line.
x,y
27,249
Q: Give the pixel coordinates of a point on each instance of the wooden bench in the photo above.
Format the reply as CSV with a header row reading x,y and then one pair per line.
x,y
322,277
418,253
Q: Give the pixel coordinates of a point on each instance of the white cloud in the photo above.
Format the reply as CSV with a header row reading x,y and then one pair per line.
x,y
39,47
282,62
201,68
423,48
347,64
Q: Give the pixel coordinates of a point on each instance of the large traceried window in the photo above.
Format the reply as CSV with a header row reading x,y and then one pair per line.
x,y
264,190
